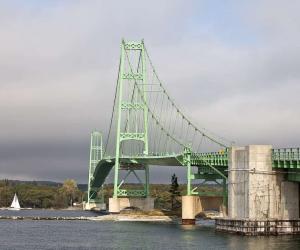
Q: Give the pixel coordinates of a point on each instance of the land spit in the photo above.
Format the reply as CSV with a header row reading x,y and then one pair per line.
x,y
109,217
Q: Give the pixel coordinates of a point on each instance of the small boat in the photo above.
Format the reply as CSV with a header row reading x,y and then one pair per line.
x,y
15,205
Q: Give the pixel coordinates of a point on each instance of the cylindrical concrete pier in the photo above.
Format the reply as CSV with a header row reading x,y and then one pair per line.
x,y
188,210
114,205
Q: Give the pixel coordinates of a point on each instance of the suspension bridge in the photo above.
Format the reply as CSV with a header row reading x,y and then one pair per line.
x,y
148,128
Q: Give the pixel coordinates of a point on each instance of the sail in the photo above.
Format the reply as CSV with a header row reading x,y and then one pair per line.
x,y
15,203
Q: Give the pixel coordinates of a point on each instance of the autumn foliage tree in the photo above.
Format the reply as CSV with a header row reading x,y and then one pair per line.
x,y
70,191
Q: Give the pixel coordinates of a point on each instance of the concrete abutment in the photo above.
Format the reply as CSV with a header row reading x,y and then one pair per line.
x,y
258,196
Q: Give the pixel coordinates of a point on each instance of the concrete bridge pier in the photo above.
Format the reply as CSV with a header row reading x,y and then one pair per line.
x,y
114,205
189,208
118,204
193,205
94,206
260,199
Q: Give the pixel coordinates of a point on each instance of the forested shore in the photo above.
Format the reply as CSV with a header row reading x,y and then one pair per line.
x,y
63,195
37,195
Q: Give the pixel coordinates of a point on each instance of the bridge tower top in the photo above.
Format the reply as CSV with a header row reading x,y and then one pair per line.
x,y
131,98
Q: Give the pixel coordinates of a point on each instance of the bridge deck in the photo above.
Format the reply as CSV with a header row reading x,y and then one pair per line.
x,y
205,160
281,158
286,158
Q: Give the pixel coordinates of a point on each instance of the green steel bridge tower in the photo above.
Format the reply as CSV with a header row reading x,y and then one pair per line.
x,y
136,107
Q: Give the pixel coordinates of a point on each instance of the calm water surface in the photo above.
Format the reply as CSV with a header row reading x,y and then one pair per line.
x,y
27,234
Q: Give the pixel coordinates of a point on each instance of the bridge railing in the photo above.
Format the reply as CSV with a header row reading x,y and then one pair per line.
x,y
286,158
213,158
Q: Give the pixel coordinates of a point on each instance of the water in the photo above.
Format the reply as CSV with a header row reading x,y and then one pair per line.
x,y
27,234
48,213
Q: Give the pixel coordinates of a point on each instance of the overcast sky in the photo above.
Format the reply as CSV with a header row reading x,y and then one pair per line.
x,y
233,65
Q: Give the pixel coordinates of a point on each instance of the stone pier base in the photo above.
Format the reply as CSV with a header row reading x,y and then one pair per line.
x,y
258,227
94,206
117,204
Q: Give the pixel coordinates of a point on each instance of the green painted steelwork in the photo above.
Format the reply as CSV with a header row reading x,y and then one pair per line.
x,y
210,167
293,175
207,165
207,171
96,155
187,162
128,74
133,107
131,193
214,159
286,158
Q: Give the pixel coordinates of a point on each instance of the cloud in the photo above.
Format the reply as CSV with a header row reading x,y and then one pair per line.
x,y
59,61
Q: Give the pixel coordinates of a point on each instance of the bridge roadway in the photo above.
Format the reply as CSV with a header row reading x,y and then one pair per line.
x,y
105,165
214,163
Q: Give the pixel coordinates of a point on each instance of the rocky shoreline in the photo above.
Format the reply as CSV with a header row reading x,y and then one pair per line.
x,y
109,217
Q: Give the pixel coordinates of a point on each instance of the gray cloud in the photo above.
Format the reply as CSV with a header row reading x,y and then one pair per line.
x,y
58,69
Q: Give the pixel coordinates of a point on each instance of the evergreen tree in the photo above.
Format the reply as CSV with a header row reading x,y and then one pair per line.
x,y
174,190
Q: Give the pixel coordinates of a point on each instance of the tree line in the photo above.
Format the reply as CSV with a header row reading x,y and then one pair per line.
x,y
37,195
34,195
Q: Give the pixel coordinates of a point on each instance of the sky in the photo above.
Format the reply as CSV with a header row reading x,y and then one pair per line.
x,y
232,66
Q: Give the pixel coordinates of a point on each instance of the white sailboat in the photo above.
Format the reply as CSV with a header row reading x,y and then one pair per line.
x,y
15,205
